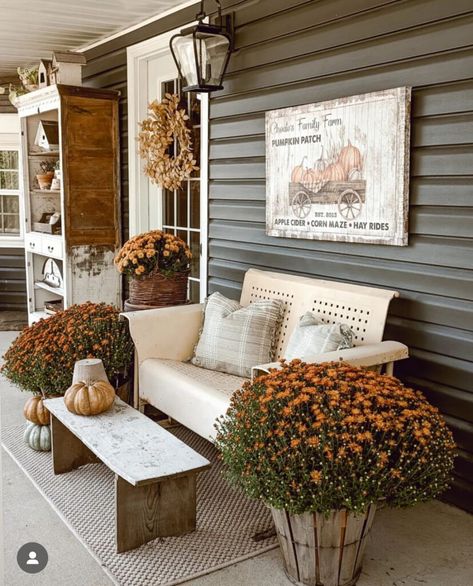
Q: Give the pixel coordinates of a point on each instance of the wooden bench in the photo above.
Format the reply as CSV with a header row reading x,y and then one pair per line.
x,y
155,472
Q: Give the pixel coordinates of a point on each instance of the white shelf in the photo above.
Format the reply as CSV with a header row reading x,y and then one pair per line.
x,y
46,287
37,315
45,191
44,154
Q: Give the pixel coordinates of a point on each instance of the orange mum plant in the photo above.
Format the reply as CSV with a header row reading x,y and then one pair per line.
x,y
153,251
322,437
42,357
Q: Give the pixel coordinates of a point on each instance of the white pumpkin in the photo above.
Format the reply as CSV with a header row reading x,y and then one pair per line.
x,y
354,174
38,437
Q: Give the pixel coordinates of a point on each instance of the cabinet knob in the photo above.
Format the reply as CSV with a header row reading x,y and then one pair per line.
x,y
32,244
50,248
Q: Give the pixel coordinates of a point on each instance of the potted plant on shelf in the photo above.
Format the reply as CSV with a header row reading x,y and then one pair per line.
x,y
46,174
323,445
28,77
29,82
158,266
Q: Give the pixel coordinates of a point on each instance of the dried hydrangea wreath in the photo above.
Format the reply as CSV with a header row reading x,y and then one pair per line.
x,y
166,124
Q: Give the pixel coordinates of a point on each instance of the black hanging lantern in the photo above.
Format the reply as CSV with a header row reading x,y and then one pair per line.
x,y
202,52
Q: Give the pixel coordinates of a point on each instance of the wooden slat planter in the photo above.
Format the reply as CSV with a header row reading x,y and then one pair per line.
x,y
323,551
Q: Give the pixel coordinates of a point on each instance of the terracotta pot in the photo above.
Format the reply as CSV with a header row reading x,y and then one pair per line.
x,y
45,180
321,550
157,290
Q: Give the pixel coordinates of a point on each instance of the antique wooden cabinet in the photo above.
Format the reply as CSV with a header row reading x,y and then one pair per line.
x,y
72,224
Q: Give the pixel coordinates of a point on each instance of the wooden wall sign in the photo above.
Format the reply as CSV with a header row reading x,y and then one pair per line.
x,y
339,170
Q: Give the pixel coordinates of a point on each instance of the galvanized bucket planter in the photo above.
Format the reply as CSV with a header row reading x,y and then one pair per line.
x,y
323,550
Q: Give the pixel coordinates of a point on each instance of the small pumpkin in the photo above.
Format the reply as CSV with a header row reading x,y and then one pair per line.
x,y
354,175
298,172
35,411
350,158
309,176
335,172
38,437
89,398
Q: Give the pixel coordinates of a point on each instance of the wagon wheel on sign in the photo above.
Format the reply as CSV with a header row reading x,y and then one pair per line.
x,y
301,204
349,204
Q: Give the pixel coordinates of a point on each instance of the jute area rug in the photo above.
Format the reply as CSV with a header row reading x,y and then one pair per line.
x,y
227,521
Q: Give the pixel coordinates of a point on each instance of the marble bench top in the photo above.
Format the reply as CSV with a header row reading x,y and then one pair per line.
x,y
129,443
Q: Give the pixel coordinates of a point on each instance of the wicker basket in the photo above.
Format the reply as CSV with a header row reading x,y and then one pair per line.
x,y
158,290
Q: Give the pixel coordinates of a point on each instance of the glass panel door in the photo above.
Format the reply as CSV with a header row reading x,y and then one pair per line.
x,y
181,207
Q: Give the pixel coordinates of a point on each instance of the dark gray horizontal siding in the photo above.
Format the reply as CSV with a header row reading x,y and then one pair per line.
x,y
302,51
12,279
313,51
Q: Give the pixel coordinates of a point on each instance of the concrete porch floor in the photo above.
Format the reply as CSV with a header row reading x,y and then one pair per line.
x,y
431,544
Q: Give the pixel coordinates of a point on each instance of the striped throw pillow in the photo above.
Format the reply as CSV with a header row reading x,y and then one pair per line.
x,y
235,338
312,337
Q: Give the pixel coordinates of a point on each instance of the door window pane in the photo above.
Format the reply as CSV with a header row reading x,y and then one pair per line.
x,y
181,195
194,291
9,202
168,207
181,207
195,249
11,224
8,179
195,204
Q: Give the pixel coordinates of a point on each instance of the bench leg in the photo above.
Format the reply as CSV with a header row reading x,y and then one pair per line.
x,y
161,509
68,451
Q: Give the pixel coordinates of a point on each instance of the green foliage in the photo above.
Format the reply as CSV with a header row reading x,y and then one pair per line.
x,y
322,437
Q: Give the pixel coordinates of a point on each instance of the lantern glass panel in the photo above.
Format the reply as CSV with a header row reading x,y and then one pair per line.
x,y
183,47
212,52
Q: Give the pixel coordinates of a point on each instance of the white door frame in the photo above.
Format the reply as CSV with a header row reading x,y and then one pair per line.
x,y
137,67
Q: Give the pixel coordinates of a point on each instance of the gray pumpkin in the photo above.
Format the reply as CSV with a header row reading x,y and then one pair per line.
x,y
38,437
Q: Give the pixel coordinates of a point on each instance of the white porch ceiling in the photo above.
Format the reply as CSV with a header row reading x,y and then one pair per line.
x,y
31,30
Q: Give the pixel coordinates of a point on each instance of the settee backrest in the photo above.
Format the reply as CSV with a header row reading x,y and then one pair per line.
x,y
364,309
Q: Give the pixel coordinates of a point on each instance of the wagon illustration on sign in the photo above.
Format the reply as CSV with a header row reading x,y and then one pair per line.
x,y
348,195
339,182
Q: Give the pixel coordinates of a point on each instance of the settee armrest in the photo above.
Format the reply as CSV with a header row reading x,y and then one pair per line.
x,y
369,355
168,332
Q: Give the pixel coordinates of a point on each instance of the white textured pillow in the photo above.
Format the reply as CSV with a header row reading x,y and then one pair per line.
x,y
235,338
312,337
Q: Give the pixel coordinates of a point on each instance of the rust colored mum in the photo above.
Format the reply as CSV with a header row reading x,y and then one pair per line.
x,y
42,357
319,437
153,251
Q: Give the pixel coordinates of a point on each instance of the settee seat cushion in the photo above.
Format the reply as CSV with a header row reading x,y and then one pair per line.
x,y
192,395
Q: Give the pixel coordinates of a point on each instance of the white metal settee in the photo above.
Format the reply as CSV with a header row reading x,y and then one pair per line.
x,y
165,339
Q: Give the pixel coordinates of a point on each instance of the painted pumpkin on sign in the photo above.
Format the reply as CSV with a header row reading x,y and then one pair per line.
x,y
89,398
354,175
38,437
298,172
350,158
35,411
335,172
309,176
